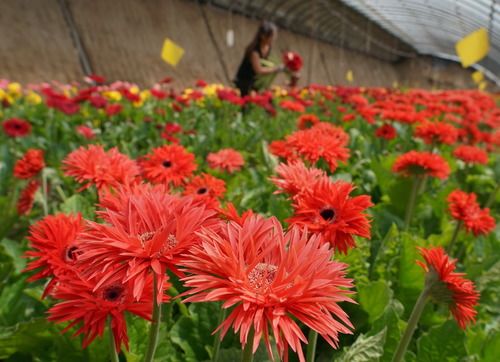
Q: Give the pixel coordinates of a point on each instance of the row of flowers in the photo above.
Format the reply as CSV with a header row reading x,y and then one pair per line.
x,y
160,221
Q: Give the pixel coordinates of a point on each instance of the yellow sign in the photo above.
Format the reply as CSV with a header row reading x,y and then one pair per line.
x,y
473,47
171,52
349,76
477,76
482,85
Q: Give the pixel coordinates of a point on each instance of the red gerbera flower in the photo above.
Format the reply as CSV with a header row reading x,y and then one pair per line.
x,y
54,247
228,160
292,106
27,197
328,210
460,204
432,132
169,163
206,188
295,178
230,213
293,61
90,308
307,121
479,221
386,131
30,164
321,141
270,279
86,132
16,127
421,163
471,154
112,109
464,207
147,234
101,168
450,286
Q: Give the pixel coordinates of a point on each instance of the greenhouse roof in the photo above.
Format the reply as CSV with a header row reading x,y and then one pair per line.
x,y
387,29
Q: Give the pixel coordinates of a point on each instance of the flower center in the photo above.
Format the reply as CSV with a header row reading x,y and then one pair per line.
x,y
145,237
262,276
71,254
202,190
113,293
167,164
328,214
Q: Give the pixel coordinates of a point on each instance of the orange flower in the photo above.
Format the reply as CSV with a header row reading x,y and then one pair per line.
x,y
307,121
328,210
271,279
458,292
146,232
101,168
228,160
206,188
168,164
295,178
421,163
90,307
432,132
471,154
27,197
53,247
30,164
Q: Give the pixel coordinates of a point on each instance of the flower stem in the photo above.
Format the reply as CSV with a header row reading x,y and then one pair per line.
x,y
454,237
247,355
155,325
411,326
45,204
217,339
311,346
112,349
411,202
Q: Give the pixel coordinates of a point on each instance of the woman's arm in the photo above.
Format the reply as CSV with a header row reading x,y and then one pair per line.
x,y
259,69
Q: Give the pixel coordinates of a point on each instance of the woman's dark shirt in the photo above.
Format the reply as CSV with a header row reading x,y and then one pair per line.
x,y
245,77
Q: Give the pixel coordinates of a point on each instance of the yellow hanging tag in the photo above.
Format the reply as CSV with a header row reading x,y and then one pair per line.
x,y
171,52
473,47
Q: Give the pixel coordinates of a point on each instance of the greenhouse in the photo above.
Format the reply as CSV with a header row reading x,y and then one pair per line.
x,y
249,180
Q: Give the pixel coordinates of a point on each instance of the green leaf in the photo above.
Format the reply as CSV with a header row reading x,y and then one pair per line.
x,y
374,298
442,343
365,348
14,250
6,266
390,319
193,334
78,203
410,275
33,337
491,350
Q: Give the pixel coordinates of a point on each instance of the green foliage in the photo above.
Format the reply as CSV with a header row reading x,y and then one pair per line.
x,y
365,348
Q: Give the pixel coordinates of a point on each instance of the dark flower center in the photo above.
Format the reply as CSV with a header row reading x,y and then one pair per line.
x,y
113,293
17,126
167,164
328,214
202,191
71,253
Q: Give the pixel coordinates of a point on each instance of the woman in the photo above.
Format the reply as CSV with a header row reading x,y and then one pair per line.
x,y
258,49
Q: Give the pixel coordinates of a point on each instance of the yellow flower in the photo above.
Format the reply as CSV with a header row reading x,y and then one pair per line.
x,y
2,94
14,89
138,104
134,89
33,98
145,94
112,95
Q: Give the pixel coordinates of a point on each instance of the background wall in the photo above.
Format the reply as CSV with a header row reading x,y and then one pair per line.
x,y
123,40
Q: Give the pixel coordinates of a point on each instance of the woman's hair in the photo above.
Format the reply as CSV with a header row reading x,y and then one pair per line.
x,y
266,28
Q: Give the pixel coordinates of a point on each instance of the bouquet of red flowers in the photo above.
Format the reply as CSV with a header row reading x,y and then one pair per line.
x,y
293,63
